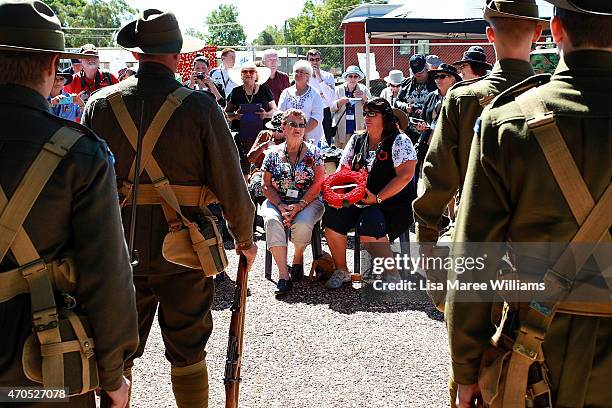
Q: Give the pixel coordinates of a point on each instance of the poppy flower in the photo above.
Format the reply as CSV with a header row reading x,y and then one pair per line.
x,y
382,155
309,161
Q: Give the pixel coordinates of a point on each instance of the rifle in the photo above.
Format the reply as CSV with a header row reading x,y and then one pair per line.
x,y
236,334
136,184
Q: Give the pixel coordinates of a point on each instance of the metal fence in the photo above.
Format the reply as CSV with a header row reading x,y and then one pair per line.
x,y
383,57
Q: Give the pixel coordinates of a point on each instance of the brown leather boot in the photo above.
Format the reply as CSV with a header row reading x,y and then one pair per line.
x,y
190,385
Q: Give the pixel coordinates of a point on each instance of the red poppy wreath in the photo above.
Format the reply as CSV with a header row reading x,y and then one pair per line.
x,y
336,184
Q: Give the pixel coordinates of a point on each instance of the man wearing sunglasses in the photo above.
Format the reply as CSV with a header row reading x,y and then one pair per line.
x,y
324,83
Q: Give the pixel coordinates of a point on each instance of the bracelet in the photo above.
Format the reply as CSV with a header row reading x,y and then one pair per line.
x,y
305,203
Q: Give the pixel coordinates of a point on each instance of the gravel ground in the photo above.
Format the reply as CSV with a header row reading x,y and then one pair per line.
x,y
316,348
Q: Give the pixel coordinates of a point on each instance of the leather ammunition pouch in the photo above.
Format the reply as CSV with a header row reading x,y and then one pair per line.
x,y
60,352
190,244
523,356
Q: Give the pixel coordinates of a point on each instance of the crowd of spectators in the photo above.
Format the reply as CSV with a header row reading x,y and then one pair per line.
x,y
283,130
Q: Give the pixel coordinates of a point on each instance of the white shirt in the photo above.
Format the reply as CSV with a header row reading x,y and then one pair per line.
x,y
220,76
325,88
311,104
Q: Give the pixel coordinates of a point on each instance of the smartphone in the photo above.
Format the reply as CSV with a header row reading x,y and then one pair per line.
x,y
66,101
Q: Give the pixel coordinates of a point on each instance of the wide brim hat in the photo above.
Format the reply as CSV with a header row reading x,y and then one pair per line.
x,y
395,77
157,32
520,9
263,73
401,117
595,7
31,26
353,69
474,56
447,69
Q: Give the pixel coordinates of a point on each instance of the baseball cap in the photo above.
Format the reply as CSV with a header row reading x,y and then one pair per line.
x,y
417,63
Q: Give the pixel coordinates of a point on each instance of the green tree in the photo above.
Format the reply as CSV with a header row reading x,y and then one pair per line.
x,y
224,27
81,16
271,35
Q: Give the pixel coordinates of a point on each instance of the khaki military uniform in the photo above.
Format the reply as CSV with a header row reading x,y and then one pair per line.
x,y
446,162
510,194
194,149
76,213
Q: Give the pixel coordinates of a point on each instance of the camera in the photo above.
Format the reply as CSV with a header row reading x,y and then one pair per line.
x,y
200,76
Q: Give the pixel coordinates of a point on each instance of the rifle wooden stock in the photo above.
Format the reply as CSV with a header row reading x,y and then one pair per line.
x,y
236,335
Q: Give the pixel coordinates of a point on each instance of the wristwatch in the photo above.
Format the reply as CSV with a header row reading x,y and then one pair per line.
x,y
378,199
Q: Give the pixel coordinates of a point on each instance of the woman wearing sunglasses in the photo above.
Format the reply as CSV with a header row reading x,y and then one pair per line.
x,y
248,92
394,81
293,174
348,105
386,210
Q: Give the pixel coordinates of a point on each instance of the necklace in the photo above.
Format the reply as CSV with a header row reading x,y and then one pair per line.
x,y
249,100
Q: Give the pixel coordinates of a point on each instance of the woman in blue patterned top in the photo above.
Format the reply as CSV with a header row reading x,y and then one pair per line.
x,y
293,174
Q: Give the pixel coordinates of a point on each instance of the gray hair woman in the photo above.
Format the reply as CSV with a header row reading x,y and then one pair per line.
x,y
293,174
348,105
303,97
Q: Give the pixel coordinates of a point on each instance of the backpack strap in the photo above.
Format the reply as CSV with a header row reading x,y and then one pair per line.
x,y
558,280
32,266
170,203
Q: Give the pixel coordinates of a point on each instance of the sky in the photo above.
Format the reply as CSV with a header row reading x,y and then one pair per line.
x,y
254,15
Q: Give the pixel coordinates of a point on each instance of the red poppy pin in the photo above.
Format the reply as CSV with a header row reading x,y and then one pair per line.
x,y
309,161
382,155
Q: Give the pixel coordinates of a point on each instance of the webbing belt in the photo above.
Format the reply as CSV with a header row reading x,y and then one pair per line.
x,y
188,196
32,267
594,221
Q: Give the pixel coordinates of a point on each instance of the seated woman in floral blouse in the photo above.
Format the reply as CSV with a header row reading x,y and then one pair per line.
x,y
386,210
293,174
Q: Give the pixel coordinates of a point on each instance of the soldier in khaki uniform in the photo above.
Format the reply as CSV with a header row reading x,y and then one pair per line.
x,y
75,215
514,192
194,149
514,26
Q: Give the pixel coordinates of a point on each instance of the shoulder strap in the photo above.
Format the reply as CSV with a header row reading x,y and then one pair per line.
x,y
542,123
30,187
33,268
594,228
160,182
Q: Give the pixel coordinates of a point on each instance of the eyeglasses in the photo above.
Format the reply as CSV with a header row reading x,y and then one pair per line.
x,y
394,86
353,76
249,71
301,72
314,59
297,125
60,79
441,76
370,114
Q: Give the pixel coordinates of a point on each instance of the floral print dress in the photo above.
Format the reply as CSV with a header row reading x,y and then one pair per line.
x,y
284,179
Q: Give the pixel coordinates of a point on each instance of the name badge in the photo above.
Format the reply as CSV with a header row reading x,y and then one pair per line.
x,y
291,193
350,117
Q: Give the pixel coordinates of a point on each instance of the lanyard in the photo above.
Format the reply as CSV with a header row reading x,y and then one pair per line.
x,y
293,167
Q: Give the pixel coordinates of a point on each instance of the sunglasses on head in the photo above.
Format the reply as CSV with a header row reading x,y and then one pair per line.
x,y
297,125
